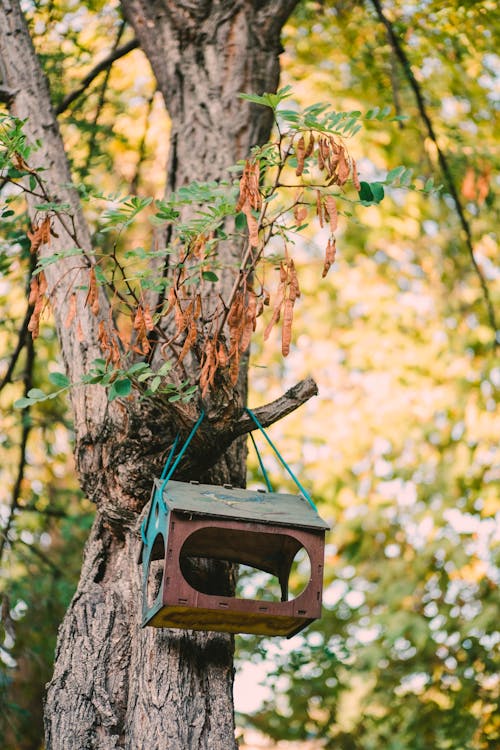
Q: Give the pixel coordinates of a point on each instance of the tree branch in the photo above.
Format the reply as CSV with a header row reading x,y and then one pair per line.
x,y
211,441
50,512
16,490
21,342
443,161
23,332
44,558
276,410
105,64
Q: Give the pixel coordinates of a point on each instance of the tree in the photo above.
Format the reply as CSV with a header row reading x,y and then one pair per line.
x,y
379,312
110,676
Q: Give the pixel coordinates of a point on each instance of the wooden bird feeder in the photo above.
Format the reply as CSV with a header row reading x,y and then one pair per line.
x,y
264,530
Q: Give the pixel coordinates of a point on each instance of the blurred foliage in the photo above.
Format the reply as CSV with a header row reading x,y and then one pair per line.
x,y
400,450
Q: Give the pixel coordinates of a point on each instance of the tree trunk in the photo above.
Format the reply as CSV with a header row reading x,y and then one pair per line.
x,y
116,685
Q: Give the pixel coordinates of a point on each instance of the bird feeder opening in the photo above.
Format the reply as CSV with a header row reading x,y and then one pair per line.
x,y
268,558
256,584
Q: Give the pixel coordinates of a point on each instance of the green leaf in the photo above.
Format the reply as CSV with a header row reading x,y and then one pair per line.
x,y
36,394
121,387
378,191
395,174
53,207
15,173
155,384
365,193
317,108
349,125
59,379
406,177
240,222
138,367
209,276
254,98
384,112
92,379
23,403
371,192
99,275
289,115
165,368
268,100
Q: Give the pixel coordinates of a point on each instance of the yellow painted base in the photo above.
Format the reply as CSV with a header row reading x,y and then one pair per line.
x,y
224,621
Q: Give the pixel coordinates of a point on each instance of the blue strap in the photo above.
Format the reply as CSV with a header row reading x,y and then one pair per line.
x,y
262,467
159,494
282,460
166,475
170,456
169,469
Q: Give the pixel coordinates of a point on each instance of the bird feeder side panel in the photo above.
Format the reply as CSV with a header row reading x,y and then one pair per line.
x,y
156,533
183,606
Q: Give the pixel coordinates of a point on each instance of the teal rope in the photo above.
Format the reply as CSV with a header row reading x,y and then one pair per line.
x,y
182,452
169,470
165,470
262,467
283,462
170,456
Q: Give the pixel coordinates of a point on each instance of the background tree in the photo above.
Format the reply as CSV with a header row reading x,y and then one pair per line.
x,y
408,319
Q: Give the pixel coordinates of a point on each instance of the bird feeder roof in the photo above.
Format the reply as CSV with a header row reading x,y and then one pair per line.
x,y
275,508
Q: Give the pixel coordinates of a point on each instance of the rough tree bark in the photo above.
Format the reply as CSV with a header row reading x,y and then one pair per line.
x,y
116,685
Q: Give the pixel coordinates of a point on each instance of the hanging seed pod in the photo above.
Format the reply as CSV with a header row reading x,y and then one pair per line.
x,y
300,152
329,256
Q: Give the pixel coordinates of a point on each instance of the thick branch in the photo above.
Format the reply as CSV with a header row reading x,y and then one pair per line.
x,y
101,66
276,410
443,160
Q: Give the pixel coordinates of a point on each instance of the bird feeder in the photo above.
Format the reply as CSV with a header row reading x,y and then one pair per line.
x,y
265,530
